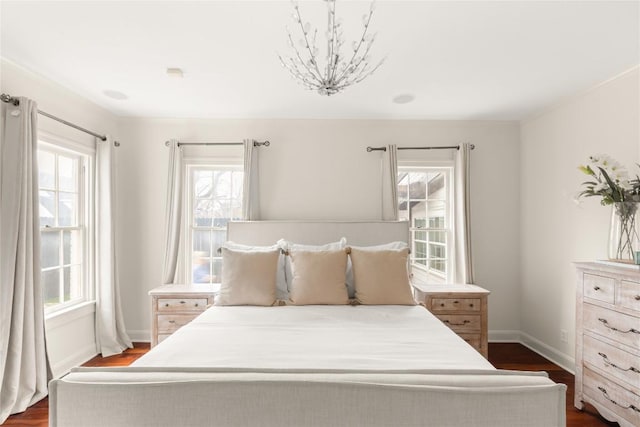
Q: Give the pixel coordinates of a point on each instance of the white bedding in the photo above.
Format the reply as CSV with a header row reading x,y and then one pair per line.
x,y
312,338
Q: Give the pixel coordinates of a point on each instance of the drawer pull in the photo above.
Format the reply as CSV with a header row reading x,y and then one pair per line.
x,y
196,304
606,324
182,302
606,396
166,305
172,321
637,297
613,365
464,322
455,302
596,288
441,305
470,305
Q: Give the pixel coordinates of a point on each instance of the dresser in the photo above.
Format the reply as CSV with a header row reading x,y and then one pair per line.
x,y
463,308
608,340
173,306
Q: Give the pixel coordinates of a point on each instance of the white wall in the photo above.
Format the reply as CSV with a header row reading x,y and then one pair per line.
x,y
70,335
319,169
556,231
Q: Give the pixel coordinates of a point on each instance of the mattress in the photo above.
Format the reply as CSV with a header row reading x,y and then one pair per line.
x,y
316,338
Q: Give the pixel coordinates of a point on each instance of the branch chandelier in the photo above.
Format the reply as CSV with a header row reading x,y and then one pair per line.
x,y
339,71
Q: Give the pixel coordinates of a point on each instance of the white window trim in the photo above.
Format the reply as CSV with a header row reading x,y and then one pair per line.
x,y
449,167
189,164
53,142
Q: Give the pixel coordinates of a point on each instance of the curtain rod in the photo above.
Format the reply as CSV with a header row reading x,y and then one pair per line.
x,y
255,143
448,147
15,101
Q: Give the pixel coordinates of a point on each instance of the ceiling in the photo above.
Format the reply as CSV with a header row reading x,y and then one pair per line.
x,y
478,60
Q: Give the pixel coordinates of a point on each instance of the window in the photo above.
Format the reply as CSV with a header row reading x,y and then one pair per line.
x,y
64,198
424,199
215,198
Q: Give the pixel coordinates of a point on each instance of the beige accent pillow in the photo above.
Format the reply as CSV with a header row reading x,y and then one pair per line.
x,y
381,276
248,277
318,277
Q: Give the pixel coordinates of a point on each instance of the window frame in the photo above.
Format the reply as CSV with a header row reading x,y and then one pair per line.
x,y
85,180
189,166
419,271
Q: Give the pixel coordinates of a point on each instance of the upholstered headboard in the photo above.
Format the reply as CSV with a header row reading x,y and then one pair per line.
x,y
359,233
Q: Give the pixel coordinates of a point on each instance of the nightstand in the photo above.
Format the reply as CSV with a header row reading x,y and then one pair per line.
x,y
173,306
463,308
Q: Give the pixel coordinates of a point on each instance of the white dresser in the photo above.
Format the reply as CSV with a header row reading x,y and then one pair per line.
x,y
608,340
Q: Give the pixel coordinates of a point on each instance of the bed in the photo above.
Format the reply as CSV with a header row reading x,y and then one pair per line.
x,y
315,365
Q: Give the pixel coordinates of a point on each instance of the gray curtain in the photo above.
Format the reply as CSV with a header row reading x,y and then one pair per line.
x,y
390,183
23,359
251,185
462,216
111,335
173,215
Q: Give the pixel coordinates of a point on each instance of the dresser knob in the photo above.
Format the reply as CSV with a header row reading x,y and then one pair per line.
x,y
166,305
441,305
470,305
637,297
596,288
455,302
182,302
172,321
196,304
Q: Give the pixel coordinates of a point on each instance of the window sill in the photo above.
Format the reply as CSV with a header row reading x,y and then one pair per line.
x,y
69,314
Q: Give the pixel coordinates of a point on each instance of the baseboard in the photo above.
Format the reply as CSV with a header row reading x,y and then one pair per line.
x,y
78,358
504,336
565,362
139,335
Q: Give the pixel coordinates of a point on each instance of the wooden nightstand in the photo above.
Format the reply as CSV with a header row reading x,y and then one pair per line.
x,y
463,308
173,306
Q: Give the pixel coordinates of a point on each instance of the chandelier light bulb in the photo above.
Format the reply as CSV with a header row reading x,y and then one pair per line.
x,y
338,71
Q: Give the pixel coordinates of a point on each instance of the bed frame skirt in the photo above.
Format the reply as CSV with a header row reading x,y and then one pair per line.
x,y
138,396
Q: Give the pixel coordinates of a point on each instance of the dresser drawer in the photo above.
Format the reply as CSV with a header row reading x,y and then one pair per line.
x,y
181,304
168,323
599,288
615,398
613,361
455,304
629,295
617,326
460,322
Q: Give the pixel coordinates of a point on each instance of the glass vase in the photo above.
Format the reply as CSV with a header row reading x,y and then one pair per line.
x,y
623,233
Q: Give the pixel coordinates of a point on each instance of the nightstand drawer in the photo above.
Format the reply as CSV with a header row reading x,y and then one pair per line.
x,y
599,288
455,304
629,295
474,340
181,304
168,323
461,323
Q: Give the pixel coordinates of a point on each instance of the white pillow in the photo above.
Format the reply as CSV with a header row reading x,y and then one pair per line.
x,y
281,284
288,246
318,277
381,276
248,277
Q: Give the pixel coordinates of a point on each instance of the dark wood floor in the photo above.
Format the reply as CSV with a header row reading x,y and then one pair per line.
x,y
503,356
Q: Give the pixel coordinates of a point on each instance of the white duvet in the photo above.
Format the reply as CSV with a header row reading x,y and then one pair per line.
x,y
400,338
